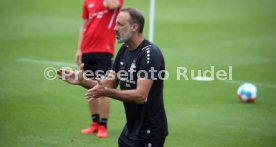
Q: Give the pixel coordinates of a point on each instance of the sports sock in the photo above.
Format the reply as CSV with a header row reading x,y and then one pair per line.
x,y
104,122
95,118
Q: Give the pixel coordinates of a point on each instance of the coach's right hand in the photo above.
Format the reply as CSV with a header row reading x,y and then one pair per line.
x,y
70,76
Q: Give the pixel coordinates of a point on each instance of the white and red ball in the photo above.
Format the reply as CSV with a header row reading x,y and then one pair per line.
x,y
247,92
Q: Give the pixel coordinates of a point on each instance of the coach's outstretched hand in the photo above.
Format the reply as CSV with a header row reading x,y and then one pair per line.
x,y
70,76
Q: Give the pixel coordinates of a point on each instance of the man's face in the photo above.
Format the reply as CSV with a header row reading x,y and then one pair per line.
x,y
123,27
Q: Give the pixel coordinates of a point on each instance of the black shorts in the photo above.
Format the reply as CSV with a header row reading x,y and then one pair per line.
x,y
96,64
141,143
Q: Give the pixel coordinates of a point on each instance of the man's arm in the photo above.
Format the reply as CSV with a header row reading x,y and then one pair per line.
x,y
111,4
78,53
78,78
75,77
138,95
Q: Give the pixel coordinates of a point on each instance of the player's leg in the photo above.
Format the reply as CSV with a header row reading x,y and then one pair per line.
x,y
95,117
89,68
103,65
104,106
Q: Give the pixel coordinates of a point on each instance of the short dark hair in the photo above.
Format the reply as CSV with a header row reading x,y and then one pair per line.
x,y
136,17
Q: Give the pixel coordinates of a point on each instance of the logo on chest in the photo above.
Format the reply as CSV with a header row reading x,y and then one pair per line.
x,y
95,12
127,73
132,67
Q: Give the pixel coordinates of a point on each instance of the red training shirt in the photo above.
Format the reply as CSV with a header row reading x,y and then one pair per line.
x,y
99,35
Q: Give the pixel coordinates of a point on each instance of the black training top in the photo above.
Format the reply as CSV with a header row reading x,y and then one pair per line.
x,y
148,120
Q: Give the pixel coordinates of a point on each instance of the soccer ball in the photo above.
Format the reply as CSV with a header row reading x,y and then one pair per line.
x,y
247,92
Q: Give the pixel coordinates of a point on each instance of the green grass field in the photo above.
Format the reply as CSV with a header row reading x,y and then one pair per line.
x,y
36,112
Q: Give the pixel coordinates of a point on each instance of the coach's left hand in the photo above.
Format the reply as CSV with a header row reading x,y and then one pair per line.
x,y
96,92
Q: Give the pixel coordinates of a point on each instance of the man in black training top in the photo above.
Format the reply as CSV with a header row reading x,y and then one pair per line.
x,y
139,70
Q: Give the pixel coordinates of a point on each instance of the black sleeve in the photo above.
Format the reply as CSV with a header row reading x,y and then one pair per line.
x,y
150,63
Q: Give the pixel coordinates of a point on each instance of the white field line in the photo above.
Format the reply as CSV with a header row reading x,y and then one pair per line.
x,y
66,64
46,62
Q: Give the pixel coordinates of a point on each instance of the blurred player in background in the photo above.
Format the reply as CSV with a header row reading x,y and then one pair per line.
x,y
96,49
